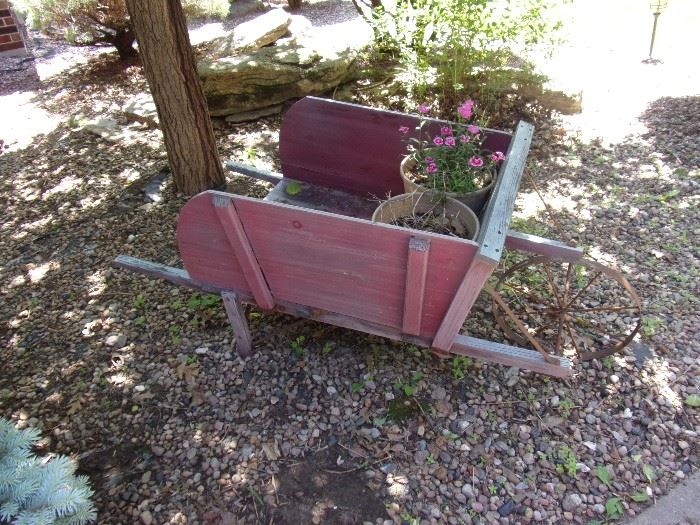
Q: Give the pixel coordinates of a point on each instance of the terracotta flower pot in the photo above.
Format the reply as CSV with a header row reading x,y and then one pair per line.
x,y
475,199
455,213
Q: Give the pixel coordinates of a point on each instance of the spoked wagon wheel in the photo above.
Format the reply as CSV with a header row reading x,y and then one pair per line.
x,y
578,308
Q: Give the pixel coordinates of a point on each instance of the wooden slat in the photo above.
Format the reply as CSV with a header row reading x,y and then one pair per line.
x,y
467,293
496,217
241,331
463,345
235,233
493,352
542,246
416,272
351,147
252,171
307,195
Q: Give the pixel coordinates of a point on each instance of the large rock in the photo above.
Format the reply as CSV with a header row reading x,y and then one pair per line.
x,y
271,75
261,31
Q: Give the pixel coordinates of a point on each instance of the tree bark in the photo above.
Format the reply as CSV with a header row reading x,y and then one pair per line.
x,y
169,64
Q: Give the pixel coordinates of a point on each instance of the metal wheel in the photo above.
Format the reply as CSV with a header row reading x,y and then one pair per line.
x,y
581,308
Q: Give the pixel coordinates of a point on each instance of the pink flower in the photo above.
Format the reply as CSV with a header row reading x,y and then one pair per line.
x,y
446,130
471,128
466,109
432,168
429,160
423,108
438,141
464,138
497,156
450,141
476,161
403,130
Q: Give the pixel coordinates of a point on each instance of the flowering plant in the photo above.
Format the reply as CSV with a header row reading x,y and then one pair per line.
x,y
454,160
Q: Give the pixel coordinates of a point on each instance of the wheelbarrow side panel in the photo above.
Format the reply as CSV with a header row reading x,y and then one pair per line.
x,y
324,261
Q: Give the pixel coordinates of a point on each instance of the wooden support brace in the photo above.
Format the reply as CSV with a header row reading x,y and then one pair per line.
x,y
416,272
233,227
474,279
542,246
241,332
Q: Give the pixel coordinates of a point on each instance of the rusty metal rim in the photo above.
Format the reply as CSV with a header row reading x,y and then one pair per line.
x,y
615,275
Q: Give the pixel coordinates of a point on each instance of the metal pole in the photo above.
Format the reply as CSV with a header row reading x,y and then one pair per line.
x,y
653,34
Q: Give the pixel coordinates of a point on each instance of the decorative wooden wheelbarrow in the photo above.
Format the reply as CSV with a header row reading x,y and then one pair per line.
x,y
309,249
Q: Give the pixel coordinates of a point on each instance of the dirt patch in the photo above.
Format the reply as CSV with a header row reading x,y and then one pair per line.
x,y
318,490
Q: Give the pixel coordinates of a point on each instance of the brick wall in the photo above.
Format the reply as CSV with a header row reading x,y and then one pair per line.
x,y
10,37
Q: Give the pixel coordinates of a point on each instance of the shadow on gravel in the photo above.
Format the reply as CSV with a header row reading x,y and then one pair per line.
x,y
317,490
674,129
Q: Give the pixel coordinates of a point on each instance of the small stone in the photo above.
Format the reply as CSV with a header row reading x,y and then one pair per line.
x,y
116,340
201,350
158,451
571,502
505,509
468,491
439,393
683,444
146,517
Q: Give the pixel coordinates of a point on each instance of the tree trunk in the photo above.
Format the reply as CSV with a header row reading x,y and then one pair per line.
x,y
168,62
124,42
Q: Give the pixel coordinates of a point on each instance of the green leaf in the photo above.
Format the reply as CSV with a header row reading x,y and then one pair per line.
x,y
693,400
603,474
640,496
357,387
649,473
293,187
614,508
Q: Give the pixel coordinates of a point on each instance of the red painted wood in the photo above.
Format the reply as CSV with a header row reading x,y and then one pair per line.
x,y
350,147
416,272
469,289
241,331
326,261
235,233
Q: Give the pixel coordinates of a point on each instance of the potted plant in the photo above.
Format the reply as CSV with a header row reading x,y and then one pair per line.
x,y
429,211
453,161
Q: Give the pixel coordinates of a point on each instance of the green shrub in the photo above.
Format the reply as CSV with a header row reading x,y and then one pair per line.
x,y
90,22
462,48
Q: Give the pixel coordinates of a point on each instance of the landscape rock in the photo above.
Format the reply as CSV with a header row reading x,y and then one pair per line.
x,y
254,34
269,76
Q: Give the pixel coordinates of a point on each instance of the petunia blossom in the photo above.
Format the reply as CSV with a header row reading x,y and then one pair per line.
x,y
466,109
446,130
450,141
423,108
476,161
499,155
403,130
438,141
464,138
431,168
429,160
471,128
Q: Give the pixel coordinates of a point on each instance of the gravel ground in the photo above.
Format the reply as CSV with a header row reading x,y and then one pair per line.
x,y
136,378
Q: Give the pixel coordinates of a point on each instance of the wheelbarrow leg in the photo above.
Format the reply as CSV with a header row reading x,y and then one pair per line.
x,y
241,332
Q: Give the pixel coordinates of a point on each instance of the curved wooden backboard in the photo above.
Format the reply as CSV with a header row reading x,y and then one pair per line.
x,y
351,147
